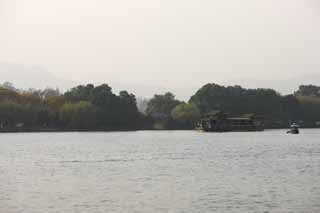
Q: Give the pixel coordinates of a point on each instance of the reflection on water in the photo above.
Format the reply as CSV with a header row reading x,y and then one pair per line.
x,y
147,171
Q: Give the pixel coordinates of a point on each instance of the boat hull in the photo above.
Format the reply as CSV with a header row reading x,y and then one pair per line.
x,y
234,129
293,132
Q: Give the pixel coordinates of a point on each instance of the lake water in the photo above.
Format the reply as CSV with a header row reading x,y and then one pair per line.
x,y
160,171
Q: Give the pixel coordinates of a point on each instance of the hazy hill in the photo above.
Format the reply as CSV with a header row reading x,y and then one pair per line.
x,y
31,77
24,77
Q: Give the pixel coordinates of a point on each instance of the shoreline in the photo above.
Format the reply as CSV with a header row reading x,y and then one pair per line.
x,y
119,130
65,130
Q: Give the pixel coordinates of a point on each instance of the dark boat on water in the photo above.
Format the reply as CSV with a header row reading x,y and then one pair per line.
x,y
294,129
217,121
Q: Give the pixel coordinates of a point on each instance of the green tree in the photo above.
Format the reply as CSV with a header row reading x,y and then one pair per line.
x,y
162,104
79,93
186,114
9,95
159,109
81,115
308,90
11,113
54,104
128,111
237,100
310,109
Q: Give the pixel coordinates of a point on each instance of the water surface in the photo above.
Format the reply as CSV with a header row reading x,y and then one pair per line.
x,y
160,171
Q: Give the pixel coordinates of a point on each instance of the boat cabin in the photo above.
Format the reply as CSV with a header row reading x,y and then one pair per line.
x,y
218,121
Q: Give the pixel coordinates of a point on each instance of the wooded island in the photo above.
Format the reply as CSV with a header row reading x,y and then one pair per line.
x,y
97,108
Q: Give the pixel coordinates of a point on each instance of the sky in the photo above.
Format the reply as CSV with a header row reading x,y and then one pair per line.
x,y
153,46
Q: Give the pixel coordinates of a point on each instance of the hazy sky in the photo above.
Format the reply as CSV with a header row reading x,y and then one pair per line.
x,y
178,45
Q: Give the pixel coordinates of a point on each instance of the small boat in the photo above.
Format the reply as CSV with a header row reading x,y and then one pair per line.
x,y
294,129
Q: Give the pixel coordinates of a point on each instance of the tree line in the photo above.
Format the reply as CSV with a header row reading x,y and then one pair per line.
x,y
90,107
86,107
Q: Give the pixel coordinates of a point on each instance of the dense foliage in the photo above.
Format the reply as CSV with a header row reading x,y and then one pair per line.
x,y
89,107
83,107
308,90
159,108
186,115
162,104
277,110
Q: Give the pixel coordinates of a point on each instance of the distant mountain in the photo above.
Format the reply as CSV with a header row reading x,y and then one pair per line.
x,y
147,90
24,77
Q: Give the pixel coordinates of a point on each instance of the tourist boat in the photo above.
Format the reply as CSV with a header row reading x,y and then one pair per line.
x,y
219,122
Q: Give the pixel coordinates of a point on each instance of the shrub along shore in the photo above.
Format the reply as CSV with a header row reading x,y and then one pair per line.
x,y
97,108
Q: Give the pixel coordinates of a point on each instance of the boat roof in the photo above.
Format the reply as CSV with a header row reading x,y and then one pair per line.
x,y
294,125
239,118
